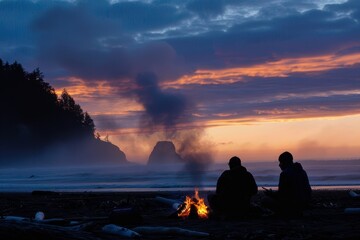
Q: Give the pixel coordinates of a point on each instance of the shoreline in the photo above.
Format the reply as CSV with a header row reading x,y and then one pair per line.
x,y
347,187
325,220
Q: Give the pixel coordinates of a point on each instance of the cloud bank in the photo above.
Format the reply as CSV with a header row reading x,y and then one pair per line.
x,y
232,60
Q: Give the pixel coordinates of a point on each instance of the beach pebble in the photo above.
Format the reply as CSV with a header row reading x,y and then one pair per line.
x,y
39,216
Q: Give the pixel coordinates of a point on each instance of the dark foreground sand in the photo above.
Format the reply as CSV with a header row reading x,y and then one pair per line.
x,y
326,219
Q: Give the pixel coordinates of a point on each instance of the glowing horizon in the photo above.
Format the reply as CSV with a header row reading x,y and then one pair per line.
x,y
252,124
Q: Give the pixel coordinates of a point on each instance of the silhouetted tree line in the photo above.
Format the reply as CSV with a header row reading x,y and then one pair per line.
x,y
33,116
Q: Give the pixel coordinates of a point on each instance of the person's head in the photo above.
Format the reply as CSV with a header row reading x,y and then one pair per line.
x,y
234,162
285,160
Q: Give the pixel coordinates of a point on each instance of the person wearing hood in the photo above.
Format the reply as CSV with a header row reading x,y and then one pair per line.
x,y
234,190
294,191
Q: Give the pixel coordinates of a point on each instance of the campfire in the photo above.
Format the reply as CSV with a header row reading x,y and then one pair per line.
x,y
193,207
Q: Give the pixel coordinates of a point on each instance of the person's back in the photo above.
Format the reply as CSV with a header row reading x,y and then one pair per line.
x,y
294,193
234,188
294,186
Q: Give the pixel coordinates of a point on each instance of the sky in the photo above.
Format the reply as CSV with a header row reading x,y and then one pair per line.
x,y
248,78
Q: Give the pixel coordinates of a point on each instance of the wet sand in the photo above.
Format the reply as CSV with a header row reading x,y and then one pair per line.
x,y
325,220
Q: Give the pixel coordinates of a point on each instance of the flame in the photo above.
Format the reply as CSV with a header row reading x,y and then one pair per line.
x,y
198,203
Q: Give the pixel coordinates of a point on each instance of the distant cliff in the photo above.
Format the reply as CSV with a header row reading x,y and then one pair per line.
x,y
164,152
38,126
106,152
83,152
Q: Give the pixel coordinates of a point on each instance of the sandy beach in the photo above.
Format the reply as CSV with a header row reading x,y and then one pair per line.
x,y
325,220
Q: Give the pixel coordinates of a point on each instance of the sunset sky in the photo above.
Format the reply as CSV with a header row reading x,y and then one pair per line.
x,y
252,77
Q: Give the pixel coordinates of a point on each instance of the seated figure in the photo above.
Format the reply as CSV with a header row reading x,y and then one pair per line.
x,y
234,189
294,191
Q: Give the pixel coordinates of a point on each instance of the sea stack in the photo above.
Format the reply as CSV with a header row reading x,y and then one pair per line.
x,y
164,152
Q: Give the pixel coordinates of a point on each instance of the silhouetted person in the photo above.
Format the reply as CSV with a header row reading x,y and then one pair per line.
x,y
234,189
294,191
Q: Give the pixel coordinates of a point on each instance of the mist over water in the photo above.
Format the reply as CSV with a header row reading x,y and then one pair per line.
x,y
164,178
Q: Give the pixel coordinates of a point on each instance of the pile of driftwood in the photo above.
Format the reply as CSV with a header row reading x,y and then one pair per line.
x,y
59,228
16,227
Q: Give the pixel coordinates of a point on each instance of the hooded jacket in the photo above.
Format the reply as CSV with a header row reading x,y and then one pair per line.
x,y
235,187
294,186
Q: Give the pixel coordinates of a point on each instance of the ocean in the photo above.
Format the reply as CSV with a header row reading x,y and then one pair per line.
x,y
322,174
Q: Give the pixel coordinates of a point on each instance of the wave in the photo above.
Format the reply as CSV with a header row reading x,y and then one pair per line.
x,y
174,177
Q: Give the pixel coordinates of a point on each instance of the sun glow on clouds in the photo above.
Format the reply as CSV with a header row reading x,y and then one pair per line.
x,y
99,97
327,138
313,138
79,89
260,134
280,68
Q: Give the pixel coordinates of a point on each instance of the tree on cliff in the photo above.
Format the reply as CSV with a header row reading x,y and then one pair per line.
x,y
33,117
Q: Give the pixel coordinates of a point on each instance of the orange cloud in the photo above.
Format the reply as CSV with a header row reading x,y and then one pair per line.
x,y
79,89
99,98
281,68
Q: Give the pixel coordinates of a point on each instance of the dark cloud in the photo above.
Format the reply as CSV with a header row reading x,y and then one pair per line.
x,y
96,33
207,8
89,39
14,21
306,84
331,93
97,40
140,16
70,38
351,8
277,10
86,46
309,33
16,37
113,122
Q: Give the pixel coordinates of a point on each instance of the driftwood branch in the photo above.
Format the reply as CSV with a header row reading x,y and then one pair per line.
x,y
175,204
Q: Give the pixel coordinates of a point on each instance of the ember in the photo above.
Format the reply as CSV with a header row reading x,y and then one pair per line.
x,y
193,207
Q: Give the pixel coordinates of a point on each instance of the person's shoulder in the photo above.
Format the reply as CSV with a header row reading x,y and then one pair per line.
x,y
225,173
244,170
249,173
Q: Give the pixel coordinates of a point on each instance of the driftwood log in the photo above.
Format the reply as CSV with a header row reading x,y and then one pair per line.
x,y
32,230
174,231
354,194
352,210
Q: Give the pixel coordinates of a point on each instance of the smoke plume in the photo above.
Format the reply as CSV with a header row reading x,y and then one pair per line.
x,y
162,110
168,112
196,153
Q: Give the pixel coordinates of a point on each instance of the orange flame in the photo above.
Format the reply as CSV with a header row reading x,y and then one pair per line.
x,y
198,203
